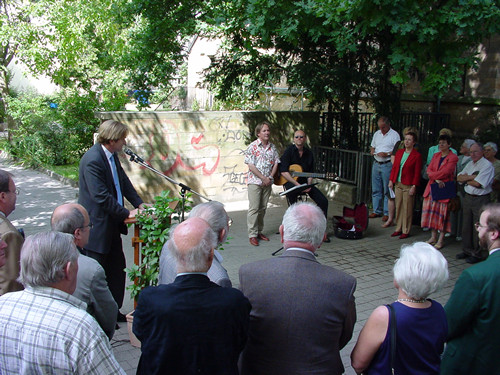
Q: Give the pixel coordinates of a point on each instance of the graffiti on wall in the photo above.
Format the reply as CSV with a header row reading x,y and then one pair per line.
x,y
203,150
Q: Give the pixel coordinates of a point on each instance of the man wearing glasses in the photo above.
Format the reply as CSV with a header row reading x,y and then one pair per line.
x,y
298,153
9,272
473,310
215,215
477,177
91,285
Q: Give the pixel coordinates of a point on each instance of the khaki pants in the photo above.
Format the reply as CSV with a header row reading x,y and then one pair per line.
x,y
404,207
258,196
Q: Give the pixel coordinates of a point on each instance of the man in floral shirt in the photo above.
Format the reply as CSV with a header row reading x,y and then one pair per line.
x,y
262,159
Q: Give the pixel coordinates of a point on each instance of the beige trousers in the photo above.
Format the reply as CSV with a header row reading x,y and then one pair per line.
x,y
258,196
404,208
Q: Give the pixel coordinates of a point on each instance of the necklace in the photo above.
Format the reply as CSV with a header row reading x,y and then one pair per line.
x,y
411,300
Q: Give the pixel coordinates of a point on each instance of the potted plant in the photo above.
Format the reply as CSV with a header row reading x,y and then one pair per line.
x,y
155,223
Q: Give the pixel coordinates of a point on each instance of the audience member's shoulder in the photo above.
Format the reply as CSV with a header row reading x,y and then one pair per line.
x,y
338,275
89,262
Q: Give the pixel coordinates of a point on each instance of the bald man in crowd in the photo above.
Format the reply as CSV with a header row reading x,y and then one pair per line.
x,y
91,286
192,326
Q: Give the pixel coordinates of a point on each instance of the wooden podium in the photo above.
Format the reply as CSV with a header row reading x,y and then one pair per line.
x,y
136,241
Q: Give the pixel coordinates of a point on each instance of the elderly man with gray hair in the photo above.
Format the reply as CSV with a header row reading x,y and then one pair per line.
x,y
44,329
215,215
303,312
191,326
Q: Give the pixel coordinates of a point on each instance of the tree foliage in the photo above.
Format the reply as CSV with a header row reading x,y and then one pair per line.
x,y
341,51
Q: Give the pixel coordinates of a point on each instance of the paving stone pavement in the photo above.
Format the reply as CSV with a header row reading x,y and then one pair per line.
x,y
369,259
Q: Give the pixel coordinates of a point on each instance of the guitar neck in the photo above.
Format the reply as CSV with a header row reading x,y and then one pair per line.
x,y
305,174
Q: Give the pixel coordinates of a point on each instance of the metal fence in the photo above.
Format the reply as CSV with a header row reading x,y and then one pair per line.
x,y
427,124
351,167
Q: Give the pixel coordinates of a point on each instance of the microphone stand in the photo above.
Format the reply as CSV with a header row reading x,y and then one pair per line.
x,y
184,188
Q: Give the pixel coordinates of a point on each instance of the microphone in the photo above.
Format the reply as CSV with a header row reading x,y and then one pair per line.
x,y
133,155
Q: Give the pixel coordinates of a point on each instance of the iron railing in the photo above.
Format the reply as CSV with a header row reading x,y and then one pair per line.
x,y
351,167
427,124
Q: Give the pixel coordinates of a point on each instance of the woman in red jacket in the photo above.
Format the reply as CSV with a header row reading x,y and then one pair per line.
x,y
404,178
435,213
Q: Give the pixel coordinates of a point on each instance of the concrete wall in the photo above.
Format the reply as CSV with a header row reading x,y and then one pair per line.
x,y
203,150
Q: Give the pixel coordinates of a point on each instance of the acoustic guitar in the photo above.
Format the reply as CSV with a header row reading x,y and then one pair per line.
x,y
295,171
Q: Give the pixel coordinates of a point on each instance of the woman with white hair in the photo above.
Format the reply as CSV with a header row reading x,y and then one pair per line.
x,y
421,325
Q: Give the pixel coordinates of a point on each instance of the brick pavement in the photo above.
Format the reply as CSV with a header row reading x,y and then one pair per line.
x,y
370,259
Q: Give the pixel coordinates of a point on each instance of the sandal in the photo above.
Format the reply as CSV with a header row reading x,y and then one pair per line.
x,y
439,245
431,241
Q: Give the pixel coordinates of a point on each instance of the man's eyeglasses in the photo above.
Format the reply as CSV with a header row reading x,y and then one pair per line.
x,y
299,136
229,222
90,225
478,225
17,191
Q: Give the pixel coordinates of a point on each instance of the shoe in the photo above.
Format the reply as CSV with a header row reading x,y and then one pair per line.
x,y
373,215
425,229
473,260
327,239
459,238
403,236
254,241
385,218
447,234
262,237
461,256
396,234
431,241
439,245
120,317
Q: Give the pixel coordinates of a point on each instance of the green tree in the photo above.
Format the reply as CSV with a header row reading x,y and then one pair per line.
x,y
342,51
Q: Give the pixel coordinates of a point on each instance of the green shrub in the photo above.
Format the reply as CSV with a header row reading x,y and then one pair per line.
x,y
58,129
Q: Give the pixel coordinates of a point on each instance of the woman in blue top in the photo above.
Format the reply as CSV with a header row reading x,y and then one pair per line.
x,y
421,325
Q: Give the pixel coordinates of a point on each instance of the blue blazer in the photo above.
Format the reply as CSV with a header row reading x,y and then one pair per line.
x,y
98,195
191,327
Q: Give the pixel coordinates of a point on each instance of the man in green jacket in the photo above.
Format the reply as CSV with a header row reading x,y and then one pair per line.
x,y
473,310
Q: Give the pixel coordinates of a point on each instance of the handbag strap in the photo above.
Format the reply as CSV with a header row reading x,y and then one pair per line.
x,y
393,335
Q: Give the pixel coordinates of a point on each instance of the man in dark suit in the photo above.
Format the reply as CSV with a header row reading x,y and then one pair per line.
x,y
103,185
303,312
191,326
473,310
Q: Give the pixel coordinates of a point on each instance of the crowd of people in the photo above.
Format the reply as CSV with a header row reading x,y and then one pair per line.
x,y
61,290
447,189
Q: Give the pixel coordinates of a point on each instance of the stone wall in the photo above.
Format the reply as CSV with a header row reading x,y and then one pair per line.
x,y
203,150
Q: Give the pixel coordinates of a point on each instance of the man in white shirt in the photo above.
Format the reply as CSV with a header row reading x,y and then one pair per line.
x,y
477,177
381,148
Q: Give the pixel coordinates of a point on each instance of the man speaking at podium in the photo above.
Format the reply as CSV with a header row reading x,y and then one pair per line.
x,y
297,153
103,186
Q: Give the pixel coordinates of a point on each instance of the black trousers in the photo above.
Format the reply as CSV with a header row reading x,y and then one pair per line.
x,y
315,194
114,264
